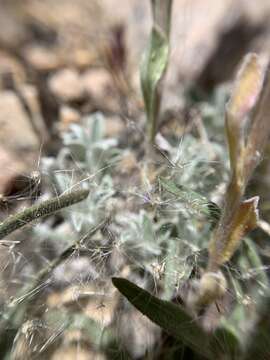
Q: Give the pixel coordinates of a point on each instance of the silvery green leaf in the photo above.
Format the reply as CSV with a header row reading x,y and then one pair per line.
x,y
148,231
95,128
77,219
105,144
74,135
171,268
64,180
196,202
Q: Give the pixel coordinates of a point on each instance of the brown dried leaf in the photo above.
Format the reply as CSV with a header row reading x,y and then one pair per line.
x,y
247,87
260,129
244,220
245,93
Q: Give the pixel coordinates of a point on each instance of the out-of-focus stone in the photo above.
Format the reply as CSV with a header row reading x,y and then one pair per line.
x,y
13,30
114,126
42,59
141,336
99,86
197,26
10,70
97,82
11,167
72,352
128,164
82,58
102,307
68,116
23,347
66,85
30,96
16,131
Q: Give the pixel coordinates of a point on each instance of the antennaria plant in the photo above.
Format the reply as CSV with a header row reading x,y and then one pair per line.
x,y
247,130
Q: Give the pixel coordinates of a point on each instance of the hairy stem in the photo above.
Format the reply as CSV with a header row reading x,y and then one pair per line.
x,y
47,207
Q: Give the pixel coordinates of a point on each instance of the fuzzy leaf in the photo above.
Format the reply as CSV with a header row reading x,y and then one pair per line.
x,y
148,230
193,199
171,317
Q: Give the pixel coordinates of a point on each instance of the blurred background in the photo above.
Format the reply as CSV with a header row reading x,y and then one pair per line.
x,y
55,55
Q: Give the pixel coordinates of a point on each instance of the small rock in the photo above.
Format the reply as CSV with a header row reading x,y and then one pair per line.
x,y
23,347
10,70
97,83
42,59
128,164
29,94
114,126
68,116
82,58
66,85
16,131
72,352
101,306
141,336
99,86
9,172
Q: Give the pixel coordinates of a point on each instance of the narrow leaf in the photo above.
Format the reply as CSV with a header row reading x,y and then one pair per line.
x,y
155,62
171,317
247,87
225,340
260,129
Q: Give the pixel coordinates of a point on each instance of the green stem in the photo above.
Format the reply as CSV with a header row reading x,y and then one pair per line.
x,y
46,208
